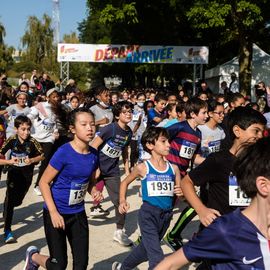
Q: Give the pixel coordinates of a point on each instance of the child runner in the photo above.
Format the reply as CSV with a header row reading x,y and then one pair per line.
x,y
157,114
25,153
64,184
44,129
103,117
245,126
112,142
185,139
239,240
14,110
160,181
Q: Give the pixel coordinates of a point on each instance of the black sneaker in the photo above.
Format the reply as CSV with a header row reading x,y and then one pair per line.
x,y
173,244
97,211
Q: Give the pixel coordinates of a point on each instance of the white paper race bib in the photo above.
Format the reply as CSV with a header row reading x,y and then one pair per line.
x,y
214,146
111,151
47,124
21,159
187,149
77,193
236,196
160,188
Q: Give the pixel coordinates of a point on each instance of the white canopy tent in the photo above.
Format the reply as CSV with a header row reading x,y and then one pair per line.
x,y
260,70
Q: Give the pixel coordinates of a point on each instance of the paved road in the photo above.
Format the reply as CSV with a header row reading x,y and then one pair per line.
x,y
28,229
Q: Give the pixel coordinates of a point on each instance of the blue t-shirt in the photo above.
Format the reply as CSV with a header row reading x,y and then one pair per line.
x,y
70,185
231,242
152,113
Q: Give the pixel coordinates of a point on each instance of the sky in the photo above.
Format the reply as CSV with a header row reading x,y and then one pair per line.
x,y
14,15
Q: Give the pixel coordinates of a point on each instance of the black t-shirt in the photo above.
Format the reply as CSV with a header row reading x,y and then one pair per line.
x,y
216,170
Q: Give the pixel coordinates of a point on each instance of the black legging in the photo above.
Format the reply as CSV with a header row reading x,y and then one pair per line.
x,y
47,148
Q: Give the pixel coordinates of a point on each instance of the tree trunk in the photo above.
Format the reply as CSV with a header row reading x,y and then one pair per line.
x,y
245,66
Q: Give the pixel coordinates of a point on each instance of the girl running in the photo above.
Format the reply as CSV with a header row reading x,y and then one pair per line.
x,y
63,185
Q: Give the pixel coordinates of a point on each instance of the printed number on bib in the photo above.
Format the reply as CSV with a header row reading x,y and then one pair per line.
x,y
77,193
187,149
236,196
21,159
160,188
214,146
47,125
110,151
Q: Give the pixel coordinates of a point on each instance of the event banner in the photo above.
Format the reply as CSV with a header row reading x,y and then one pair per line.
x,y
104,53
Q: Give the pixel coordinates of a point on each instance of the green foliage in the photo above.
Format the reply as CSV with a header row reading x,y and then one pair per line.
x,y
38,40
126,13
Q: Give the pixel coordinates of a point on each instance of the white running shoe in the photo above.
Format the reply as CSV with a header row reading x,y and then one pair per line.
x,y
121,237
116,266
37,191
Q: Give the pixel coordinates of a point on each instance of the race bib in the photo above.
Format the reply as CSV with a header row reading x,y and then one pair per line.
x,y
236,196
21,159
160,188
214,146
77,193
47,124
159,185
135,117
111,150
187,149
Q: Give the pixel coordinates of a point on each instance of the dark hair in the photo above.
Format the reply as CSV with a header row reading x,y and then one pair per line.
x,y
234,97
170,107
180,107
146,104
252,104
22,119
24,83
73,114
140,94
117,108
251,163
151,135
212,105
244,117
101,89
194,105
160,97
74,98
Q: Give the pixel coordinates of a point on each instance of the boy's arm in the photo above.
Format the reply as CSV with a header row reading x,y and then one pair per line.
x,y
173,261
198,159
136,172
97,141
126,160
177,186
206,215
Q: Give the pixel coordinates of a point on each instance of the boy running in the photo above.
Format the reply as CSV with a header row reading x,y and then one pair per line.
x,y
25,153
239,240
160,181
112,142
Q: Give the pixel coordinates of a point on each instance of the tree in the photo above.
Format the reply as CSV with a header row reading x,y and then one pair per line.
x,y
6,52
38,42
242,22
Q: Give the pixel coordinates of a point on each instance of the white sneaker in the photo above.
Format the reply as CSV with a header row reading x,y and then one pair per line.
x,y
37,191
116,266
121,237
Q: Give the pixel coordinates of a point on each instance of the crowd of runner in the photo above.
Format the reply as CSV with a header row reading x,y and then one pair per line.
x,y
210,149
